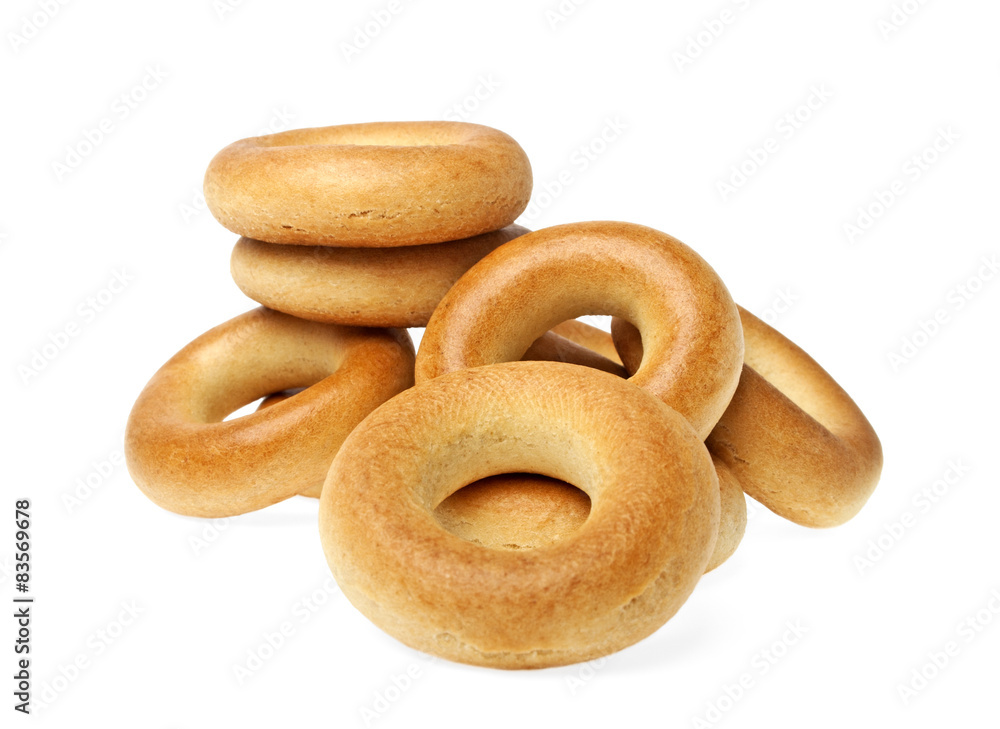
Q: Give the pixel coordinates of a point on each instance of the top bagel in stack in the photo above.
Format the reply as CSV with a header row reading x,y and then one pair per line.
x,y
376,185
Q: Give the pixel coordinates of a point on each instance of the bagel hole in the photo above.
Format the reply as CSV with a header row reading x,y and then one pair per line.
x,y
584,341
264,402
599,321
514,511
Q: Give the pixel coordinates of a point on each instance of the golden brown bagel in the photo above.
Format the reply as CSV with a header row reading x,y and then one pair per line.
x,y
370,287
185,458
795,440
524,511
522,289
614,581
313,490
376,185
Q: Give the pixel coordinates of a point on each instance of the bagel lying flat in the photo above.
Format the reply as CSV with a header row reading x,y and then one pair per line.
x,y
371,287
377,185
614,581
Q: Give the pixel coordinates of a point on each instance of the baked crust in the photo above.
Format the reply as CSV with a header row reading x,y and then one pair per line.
x,y
186,458
377,185
612,582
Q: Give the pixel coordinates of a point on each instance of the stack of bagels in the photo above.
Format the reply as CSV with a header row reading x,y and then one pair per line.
x,y
526,490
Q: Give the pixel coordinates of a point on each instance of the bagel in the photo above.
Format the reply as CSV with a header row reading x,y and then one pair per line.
x,y
368,287
313,491
186,458
794,439
522,289
384,184
524,511
614,581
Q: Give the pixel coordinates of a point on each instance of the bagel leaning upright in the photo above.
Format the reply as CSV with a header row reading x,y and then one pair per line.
x,y
185,457
524,288
793,437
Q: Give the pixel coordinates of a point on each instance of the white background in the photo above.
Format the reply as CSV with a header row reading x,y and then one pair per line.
x,y
131,205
